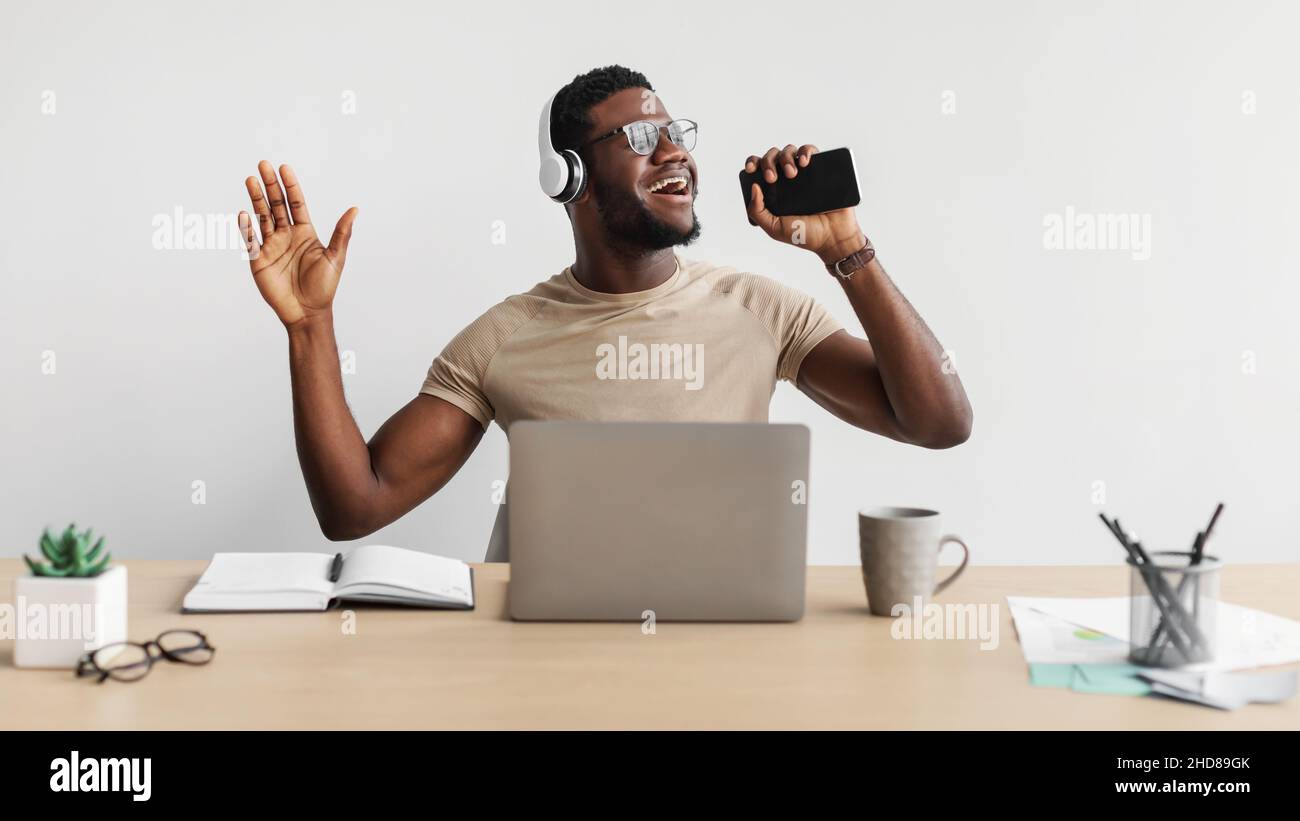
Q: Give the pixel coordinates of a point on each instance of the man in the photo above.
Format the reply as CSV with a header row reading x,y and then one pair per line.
x,y
629,331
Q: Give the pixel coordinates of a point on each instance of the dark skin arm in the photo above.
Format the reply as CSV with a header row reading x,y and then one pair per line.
x,y
896,382
355,488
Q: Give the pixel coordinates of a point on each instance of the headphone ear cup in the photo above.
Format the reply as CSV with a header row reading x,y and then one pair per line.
x,y
577,176
554,175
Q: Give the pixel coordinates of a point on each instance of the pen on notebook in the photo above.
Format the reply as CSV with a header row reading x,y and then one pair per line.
x,y
336,567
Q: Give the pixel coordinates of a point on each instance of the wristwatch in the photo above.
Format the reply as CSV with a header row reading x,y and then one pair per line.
x,y
850,265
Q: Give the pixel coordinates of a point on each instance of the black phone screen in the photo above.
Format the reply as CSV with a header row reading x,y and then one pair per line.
x,y
829,182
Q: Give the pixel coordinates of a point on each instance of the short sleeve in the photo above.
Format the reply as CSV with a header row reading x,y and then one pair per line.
x,y
448,380
457,374
797,322
804,323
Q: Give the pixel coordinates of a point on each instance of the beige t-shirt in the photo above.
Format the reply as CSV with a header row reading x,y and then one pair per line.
x,y
707,345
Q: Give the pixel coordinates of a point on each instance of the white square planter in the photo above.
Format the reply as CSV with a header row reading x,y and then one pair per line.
x,y
57,620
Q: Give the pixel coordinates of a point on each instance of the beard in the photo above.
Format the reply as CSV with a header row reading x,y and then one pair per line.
x,y
634,227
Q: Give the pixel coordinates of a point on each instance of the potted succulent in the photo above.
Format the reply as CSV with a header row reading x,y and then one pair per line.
x,y
73,601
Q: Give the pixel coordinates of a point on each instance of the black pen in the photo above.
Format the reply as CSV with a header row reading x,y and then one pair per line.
x,y
1199,551
336,567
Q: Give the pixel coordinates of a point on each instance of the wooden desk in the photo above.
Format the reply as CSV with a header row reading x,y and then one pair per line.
x,y
408,669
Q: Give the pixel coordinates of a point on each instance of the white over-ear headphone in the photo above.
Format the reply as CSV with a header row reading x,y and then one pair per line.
x,y
562,174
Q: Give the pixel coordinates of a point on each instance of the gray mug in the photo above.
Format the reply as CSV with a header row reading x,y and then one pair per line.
x,y
900,552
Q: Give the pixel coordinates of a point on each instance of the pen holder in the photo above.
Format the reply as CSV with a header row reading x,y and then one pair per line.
x,y
1172,616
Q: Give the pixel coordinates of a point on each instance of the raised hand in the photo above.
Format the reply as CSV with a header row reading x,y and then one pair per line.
x,y
295,273
826,235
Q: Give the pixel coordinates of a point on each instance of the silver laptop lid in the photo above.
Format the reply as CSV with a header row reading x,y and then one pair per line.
x,y
688,521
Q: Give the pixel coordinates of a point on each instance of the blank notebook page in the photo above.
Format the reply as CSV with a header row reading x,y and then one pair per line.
x,y
405,570
269,572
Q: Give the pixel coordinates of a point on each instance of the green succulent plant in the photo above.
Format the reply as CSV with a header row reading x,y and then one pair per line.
x,y
70,555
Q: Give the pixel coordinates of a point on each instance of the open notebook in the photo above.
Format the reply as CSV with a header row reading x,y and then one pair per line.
x,y
302,581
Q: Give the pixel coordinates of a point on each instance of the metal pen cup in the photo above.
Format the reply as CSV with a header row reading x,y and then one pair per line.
x,y
1173,609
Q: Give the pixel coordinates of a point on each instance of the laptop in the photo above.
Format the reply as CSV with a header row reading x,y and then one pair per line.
x,y
633,521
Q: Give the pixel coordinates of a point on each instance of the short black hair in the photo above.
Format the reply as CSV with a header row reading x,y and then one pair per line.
x,y
571,111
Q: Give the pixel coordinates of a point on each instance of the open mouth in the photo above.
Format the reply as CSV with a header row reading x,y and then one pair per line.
x,y
671,187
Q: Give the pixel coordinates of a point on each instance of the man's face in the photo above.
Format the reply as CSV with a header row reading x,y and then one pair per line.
x,y
621,179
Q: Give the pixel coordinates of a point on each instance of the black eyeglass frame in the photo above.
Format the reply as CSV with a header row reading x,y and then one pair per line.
x,y
626,130
87,666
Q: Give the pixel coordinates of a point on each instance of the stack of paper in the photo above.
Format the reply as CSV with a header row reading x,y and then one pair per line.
x,y
1082,645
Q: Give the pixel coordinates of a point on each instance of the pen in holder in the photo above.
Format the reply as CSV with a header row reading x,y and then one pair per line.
x,y
1173,601
1172,612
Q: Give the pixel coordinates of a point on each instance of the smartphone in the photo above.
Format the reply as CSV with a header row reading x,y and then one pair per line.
x,y
827,183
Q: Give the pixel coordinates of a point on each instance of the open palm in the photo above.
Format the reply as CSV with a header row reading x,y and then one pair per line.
x,y
295,273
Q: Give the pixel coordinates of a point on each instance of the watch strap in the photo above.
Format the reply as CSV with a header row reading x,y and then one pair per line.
x,y
850,265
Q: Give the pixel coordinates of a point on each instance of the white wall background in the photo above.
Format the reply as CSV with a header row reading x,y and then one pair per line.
x,y
1083,366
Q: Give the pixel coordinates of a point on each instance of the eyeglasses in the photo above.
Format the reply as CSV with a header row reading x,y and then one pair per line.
x,y
644,136
131,661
